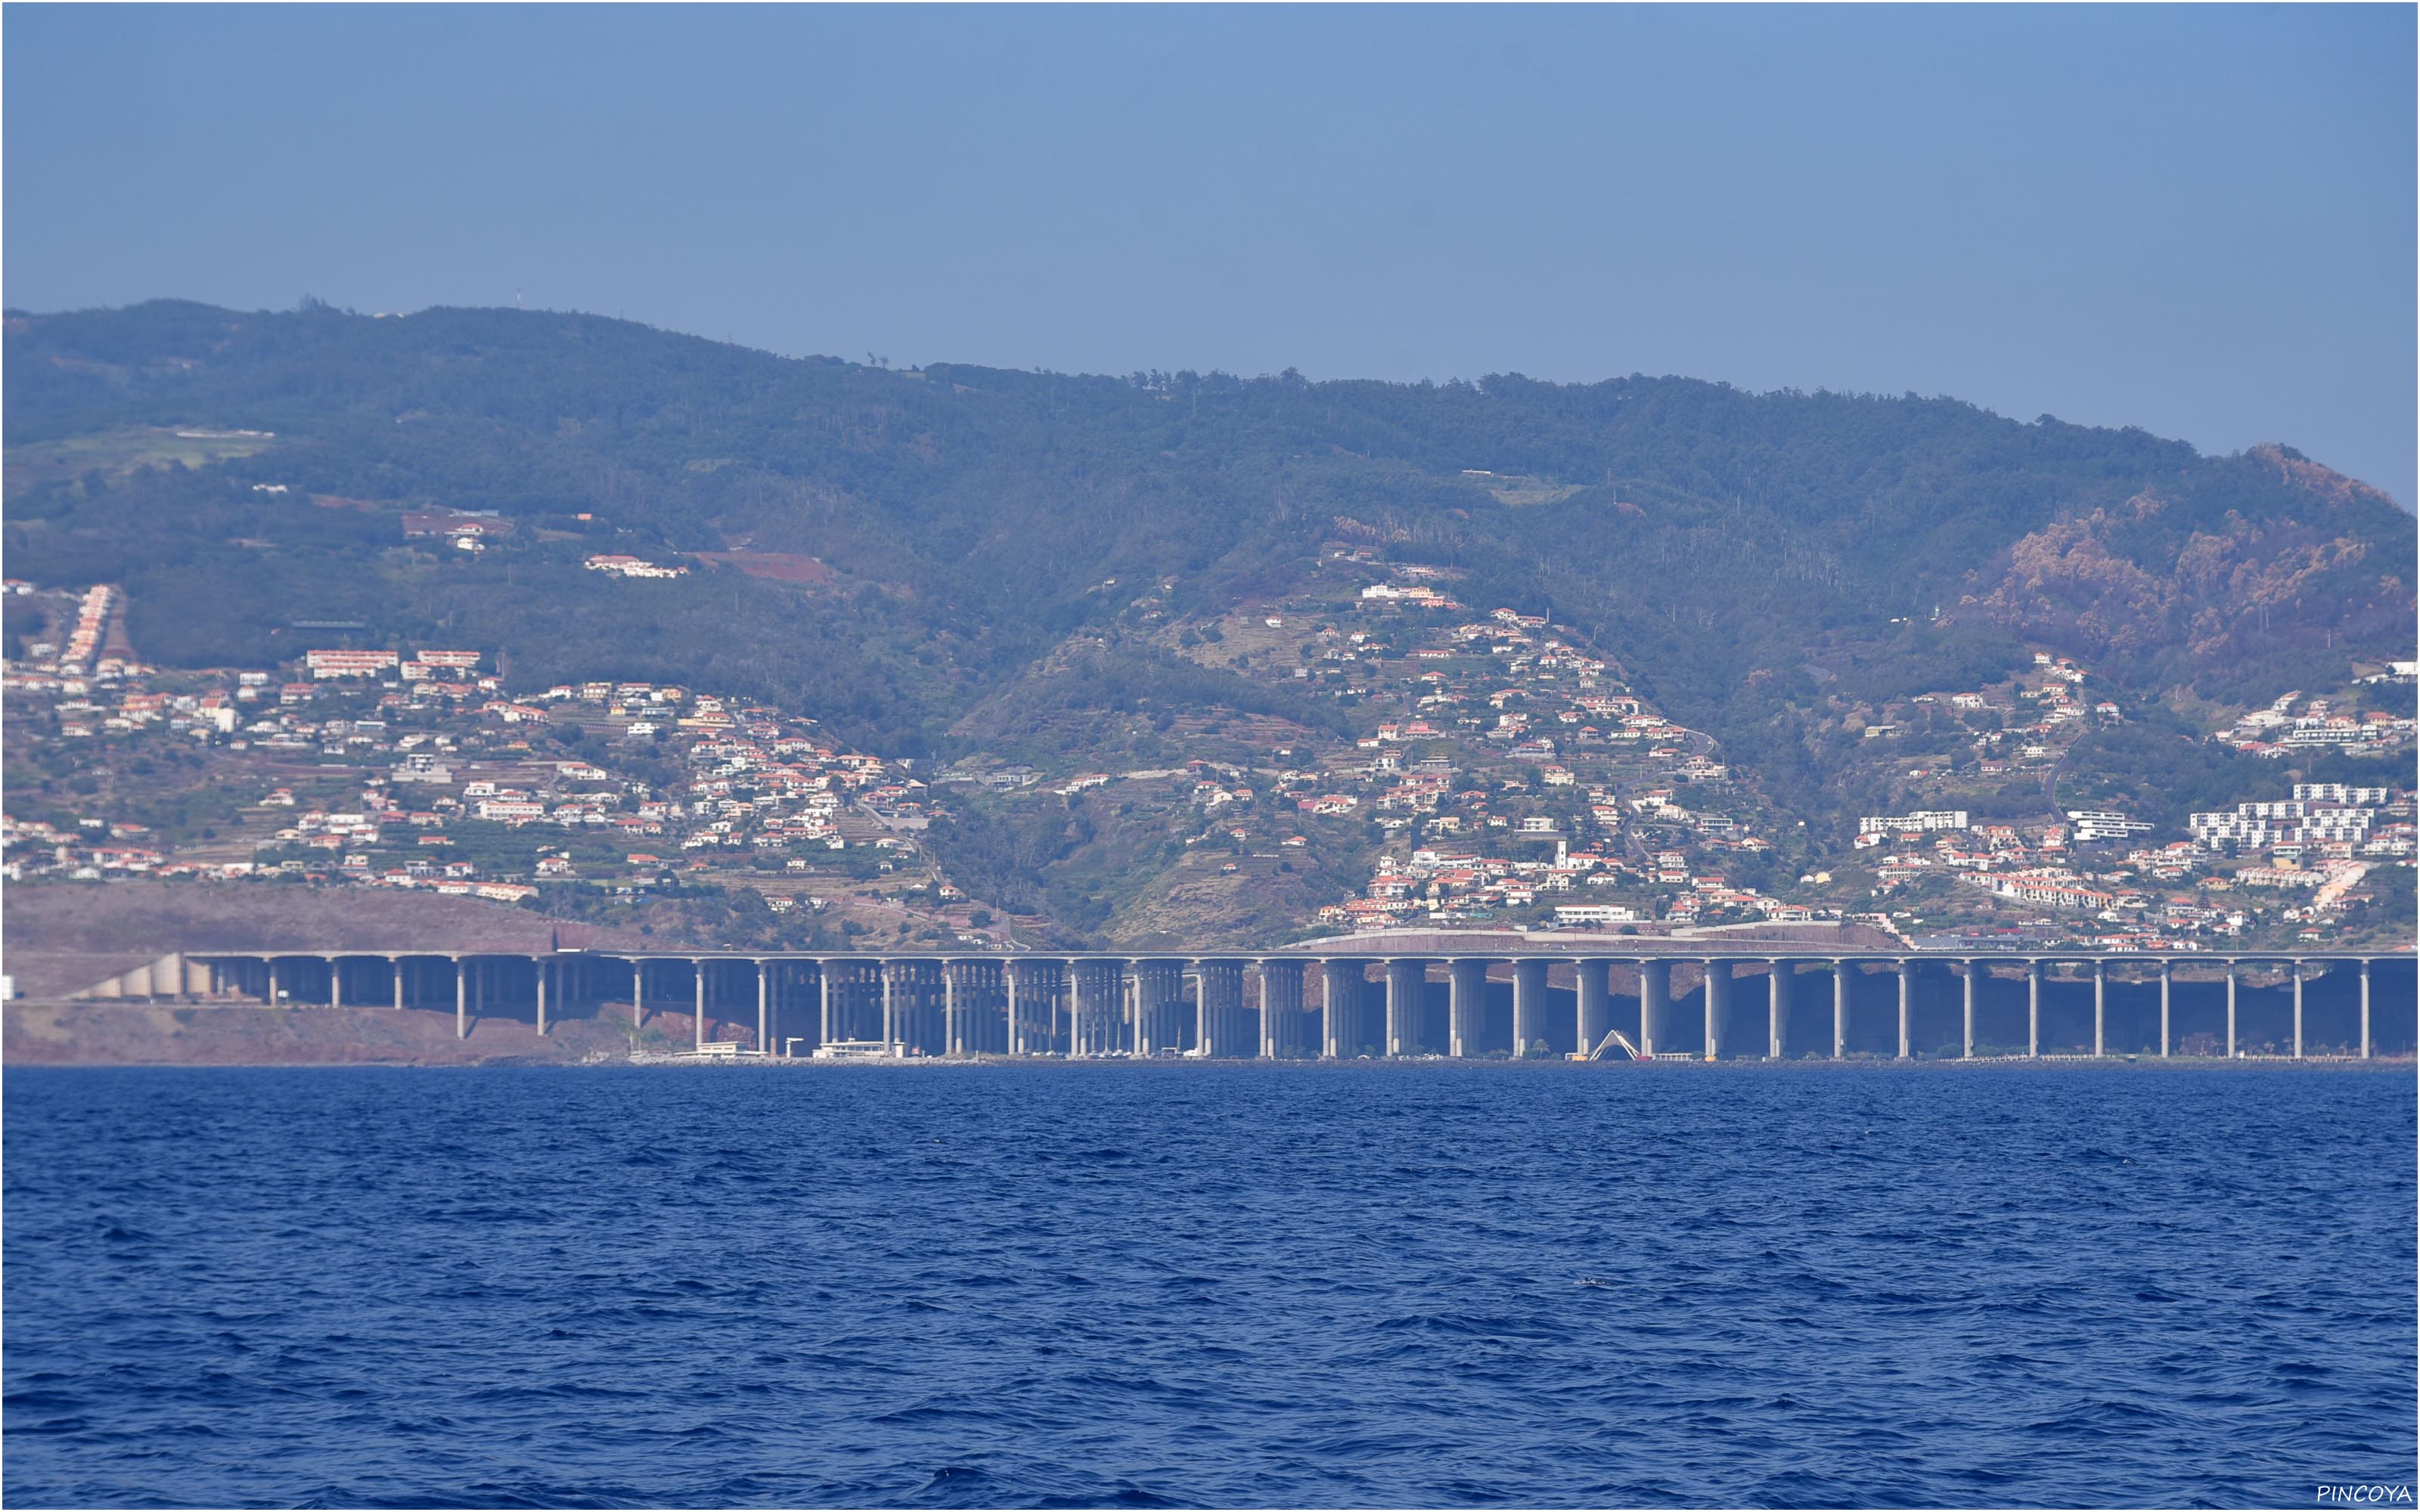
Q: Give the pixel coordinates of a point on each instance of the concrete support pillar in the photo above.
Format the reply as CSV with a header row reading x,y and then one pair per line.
x,y
1784,976
1130,1030
2364,1011
2297,969
1280,1007
1013,1041
1149,1038
275,991
1906,1008
2033,1008
1718,1006
2100,1008
395,967
1839,1009
698,972
1465,992
1528,1005
954,1032
335,980
1654,1004
1218,1010
1094,1007
2231,975
461,1002
1339,1006
1166,990
1972,985
2167,988
543,970
891,1042
1053,988
764,1010
823,1035
1594,1007
638,994
1406,984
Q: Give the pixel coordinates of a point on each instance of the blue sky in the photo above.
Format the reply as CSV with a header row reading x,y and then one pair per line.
x,y
2197,220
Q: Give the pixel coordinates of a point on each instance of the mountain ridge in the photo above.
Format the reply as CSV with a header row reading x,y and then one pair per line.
x,y
1770,569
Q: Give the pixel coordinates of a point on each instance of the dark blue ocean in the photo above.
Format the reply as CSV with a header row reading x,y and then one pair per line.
x,y
1144,1285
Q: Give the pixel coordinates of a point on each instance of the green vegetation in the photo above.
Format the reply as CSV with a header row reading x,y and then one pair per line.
x,y
96,460
2156,770
1013,554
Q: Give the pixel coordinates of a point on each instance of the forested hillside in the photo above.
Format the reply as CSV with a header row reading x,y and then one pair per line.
x,y
1753,564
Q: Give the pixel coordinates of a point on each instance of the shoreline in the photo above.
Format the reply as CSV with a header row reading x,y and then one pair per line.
x,y
88,1036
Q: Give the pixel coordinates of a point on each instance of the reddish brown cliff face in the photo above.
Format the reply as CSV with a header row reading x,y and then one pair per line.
x,y
2131,581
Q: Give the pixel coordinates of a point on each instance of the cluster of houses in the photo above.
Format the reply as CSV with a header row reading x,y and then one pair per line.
x,y
1579,889
2032,722
2027,723
1508,775
2318,845
89,848
630,566
464,530
2294,724
90,629
71,676
1499,739
394,768
1649,839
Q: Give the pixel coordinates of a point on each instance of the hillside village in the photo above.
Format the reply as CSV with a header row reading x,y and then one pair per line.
x,y
1516,778
1505,774
417,770
1518,781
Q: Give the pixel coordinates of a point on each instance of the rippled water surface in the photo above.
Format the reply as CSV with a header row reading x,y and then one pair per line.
x,y
1146,1286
